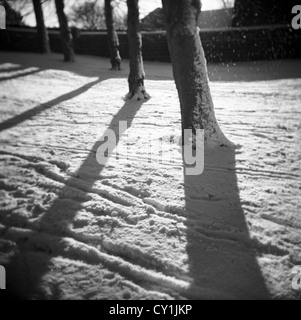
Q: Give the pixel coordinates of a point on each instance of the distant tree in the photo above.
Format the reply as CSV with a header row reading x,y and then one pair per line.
x,y
190,70
113,39
43,41
137,74
88,15
67,45
13,17
91,15
262,12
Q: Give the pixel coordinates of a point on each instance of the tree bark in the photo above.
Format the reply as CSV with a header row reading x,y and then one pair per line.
x,y
43,40
112,36
67,45
190,70
137,75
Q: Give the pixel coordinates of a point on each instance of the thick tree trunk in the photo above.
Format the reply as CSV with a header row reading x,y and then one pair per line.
x,y
65,34
43,40
112,36
136,78
190,70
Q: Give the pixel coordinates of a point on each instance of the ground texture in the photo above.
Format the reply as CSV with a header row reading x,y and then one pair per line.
x,y
71,228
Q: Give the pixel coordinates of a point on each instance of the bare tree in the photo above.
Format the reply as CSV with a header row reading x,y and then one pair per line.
x,y
137,74
88,15
112,36
91,15
25,7
67,45
43,40
190,70
13,14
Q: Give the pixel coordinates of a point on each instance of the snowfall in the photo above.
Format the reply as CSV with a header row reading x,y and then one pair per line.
x,y
137,227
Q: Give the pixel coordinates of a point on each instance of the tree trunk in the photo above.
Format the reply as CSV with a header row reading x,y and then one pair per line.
x,y
190,70
136,78
112,36
65,34
43,40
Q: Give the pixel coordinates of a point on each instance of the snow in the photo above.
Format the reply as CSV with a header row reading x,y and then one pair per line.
x,y
130,229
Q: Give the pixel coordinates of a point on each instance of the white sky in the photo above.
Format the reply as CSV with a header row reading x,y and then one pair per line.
x,y
146,6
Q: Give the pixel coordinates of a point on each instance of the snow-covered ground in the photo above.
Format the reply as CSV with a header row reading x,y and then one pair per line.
x,y
73,229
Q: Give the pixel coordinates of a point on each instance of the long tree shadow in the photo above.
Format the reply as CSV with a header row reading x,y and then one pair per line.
x,y
12,68
26,284
222,260
21,73
29,114
51,63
